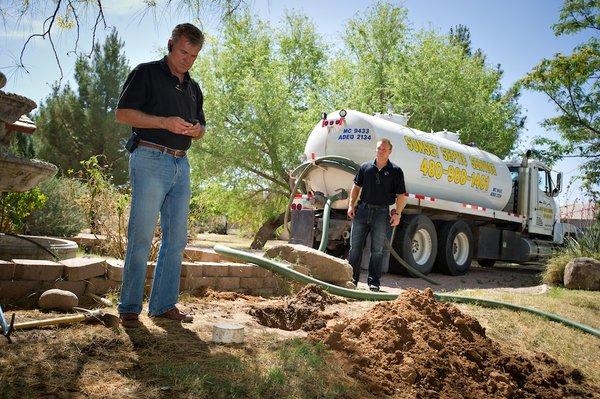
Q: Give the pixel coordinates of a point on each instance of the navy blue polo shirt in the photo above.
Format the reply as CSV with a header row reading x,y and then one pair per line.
x,y
380,187
154,90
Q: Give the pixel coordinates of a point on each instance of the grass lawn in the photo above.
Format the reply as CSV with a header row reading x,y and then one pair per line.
x,y
530,333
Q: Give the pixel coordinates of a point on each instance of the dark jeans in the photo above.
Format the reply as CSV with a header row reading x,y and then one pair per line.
x,y
368,220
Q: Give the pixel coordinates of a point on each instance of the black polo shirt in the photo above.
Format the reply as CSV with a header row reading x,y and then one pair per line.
x,y
380,187
154,90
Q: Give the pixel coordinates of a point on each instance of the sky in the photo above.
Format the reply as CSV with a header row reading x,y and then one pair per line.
x,y
514,33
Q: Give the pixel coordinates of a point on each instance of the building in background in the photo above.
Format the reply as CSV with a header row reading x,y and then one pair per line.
x,y
581,215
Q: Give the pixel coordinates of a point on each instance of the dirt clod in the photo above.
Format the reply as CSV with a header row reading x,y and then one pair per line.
x,y
302,311
423,348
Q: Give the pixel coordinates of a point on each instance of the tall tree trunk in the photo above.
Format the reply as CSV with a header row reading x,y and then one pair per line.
x,y
266,231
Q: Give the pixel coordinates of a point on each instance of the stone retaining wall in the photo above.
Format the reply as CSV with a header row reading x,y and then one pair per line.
x,y
20,279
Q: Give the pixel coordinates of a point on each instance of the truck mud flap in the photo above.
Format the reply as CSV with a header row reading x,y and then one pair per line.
x,y
303,227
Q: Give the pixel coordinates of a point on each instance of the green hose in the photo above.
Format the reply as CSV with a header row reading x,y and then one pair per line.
x,y
284,270
326,215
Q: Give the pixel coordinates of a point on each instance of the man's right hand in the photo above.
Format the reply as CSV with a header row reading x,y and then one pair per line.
x,y
176,124
351,211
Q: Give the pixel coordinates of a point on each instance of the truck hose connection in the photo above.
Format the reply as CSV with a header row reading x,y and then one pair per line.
x,y
350,166
283,270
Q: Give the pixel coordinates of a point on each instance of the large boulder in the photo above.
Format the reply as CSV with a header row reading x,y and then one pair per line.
x,y
319,265
583,274
58,299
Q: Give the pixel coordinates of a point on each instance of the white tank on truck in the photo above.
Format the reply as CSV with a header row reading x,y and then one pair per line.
x,y
463,203
435,165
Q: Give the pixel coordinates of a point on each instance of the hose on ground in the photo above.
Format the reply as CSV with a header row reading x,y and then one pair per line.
x,y
283,270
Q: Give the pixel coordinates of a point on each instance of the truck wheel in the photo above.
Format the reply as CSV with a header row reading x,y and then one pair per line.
x,y
455,249
486,262
416,243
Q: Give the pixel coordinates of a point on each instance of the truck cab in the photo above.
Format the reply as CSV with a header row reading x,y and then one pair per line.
x,y
534,192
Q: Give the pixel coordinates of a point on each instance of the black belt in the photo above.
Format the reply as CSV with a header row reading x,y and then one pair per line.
x,y
162,148
372,206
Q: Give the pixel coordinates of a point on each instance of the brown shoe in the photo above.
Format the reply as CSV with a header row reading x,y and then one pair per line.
x,y
177,315
130,320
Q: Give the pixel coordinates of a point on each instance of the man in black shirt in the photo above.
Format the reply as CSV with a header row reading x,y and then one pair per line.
x,y
163,105
382,184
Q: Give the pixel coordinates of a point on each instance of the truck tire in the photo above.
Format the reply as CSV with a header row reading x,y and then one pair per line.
x,y
416,243
486,262
455,248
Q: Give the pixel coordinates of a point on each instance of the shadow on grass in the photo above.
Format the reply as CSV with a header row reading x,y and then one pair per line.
x,y
180,364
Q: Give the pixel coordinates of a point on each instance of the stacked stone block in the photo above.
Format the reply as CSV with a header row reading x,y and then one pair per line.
x,y
22,278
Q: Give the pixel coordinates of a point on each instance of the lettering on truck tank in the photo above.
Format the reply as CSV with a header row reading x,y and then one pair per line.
x,y
422,147
355,134
483,166
496,192
453,156
454,174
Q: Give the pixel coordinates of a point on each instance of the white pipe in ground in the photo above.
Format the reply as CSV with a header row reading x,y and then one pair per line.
x,y
228,333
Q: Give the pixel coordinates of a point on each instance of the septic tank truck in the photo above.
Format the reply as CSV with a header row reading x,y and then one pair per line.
x,y
463,203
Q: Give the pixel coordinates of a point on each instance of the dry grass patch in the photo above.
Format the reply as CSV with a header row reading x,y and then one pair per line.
x,y
164,359
530,333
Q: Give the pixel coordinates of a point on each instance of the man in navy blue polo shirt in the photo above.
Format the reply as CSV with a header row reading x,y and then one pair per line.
x,y
382,185
163,105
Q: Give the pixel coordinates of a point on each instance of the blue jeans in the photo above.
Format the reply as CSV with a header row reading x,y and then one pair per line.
x,y
375,221
160,183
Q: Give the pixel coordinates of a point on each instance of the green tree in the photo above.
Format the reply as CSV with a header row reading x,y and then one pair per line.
x,y
261,86
460,35
376,49
76,126
432,77
572,84
442,88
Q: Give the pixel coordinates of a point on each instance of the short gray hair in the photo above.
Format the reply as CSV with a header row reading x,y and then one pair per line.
x,y
387,141
190,32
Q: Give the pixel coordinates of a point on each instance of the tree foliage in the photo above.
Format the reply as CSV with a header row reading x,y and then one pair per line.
x,y
84,15
260,87
572,84
74,126
265,90
434,78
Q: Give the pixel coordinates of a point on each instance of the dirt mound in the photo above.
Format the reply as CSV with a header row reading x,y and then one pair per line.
x,y
302,311
418,347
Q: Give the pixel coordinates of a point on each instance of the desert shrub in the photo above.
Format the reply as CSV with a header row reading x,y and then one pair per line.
x,y
106,208
62,214
16,207
588,245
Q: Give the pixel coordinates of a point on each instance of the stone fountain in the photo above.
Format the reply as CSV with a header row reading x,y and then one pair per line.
x,y
18,174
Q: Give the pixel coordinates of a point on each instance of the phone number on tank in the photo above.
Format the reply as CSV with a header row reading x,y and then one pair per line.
x,y
435,169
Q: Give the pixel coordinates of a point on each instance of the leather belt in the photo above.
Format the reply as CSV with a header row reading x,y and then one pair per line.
x,y
371,206
162,148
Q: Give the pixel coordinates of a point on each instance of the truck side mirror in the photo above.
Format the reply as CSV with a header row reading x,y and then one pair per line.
x,y
558,187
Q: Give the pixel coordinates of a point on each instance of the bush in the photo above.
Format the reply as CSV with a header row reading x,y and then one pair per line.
x,y
16,207
61,215
588,245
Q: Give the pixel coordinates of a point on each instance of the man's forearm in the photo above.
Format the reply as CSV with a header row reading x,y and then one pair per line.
x,y
401,202
136,118
354,195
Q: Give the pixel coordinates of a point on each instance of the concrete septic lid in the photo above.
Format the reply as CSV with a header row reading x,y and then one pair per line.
x,y
228,333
